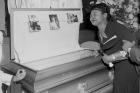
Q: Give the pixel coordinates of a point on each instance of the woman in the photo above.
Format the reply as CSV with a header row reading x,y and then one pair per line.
x,y
111,35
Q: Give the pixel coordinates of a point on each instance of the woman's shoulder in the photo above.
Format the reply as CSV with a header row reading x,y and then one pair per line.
x,y
118,25
119,28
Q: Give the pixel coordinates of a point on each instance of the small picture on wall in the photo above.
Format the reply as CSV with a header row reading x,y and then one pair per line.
x,y
72,18
54,22
34,23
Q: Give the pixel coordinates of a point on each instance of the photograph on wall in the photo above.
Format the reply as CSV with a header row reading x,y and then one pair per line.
x,y
54,22
72,18
34,25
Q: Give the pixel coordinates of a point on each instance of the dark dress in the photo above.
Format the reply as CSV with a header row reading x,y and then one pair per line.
x,y
125,74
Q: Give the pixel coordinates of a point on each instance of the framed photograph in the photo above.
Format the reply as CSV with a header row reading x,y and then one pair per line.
x,y
34,25
54,22
72,18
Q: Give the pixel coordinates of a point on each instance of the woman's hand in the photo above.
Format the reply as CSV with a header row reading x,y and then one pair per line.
x,y
107,58
127,45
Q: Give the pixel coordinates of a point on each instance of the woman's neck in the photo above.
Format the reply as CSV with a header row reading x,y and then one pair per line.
x,y
102,26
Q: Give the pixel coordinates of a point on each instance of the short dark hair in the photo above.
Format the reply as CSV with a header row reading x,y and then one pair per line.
x,y
104,9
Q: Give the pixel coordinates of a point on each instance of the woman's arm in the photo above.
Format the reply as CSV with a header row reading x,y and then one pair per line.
x,y
134,52
135,55
120,55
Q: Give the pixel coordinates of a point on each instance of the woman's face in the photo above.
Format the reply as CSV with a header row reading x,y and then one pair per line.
x,y
97,17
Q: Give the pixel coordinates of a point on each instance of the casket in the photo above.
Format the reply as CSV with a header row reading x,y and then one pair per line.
x,y
44,42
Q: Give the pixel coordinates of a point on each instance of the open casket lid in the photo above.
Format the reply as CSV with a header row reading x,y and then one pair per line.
x,y
34,36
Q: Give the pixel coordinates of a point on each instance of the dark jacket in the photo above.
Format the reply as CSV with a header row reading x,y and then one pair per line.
x,y
135,55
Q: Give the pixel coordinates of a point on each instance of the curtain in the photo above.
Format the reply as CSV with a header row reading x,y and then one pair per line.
x,y
44,4
2,15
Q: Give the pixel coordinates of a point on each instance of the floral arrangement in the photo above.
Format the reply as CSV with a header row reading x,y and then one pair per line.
x,y
124,11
